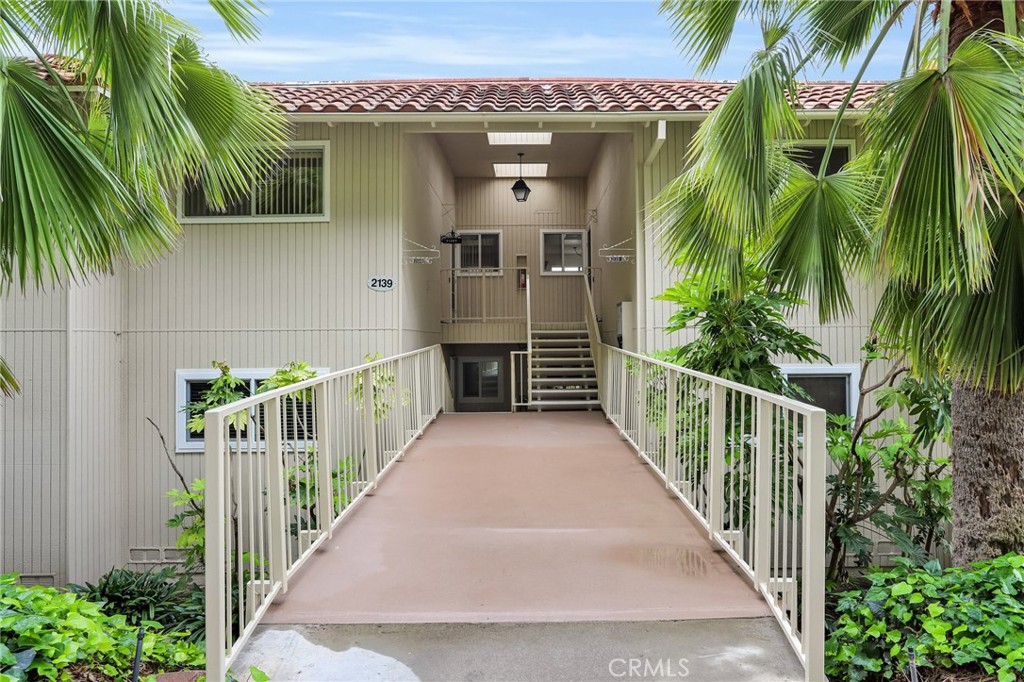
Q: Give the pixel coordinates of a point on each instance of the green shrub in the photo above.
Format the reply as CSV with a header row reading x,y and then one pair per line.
x,y
958,618
64,633
162,596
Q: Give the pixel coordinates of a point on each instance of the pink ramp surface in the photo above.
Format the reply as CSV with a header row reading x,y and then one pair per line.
x,y
528,517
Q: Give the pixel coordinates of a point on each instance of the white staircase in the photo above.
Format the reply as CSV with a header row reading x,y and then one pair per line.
x,y
562,373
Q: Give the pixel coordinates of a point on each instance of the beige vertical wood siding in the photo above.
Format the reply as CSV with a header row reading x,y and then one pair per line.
x,y
96,501
428,190
488,204
260,295
611,192
34,437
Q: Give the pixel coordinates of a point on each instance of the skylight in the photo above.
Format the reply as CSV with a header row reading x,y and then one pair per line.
x,y
519,138
511,170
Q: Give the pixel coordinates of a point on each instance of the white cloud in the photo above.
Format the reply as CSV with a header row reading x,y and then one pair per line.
x,y
491,49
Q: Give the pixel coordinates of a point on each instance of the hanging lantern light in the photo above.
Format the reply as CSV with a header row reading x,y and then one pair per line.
x,y
520,189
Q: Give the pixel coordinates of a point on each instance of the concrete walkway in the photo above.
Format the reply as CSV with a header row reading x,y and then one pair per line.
x,y
528,517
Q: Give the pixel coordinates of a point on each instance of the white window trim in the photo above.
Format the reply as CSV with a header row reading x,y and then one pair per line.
x,y
478,271
182,377
586,253
851,371
324,145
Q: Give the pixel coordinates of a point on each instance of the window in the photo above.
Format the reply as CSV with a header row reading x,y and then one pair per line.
x,y
810,156
190,384
834,388
480,250
479,380
564,252
294,188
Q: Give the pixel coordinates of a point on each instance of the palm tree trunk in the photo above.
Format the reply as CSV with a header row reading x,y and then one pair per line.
x,y
988,474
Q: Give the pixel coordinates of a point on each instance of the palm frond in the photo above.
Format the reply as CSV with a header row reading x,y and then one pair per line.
x,y
240,128
704,28
821,232
62,209
977,335
240,17
948,143
839,29
8,382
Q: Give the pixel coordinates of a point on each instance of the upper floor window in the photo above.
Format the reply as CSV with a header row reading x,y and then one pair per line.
x,y
294,188
810,156
563,252
480,250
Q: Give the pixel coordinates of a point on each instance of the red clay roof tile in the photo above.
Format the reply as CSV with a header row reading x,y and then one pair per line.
x,y
513,95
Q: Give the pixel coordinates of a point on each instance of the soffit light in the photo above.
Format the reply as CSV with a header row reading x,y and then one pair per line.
x,y
513,170
520,189
519,138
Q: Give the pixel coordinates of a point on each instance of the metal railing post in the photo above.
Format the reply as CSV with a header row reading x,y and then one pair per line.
x,y
763,493
716,460
276,492
641,422
324,459
370,428
417,400
813,607
671,457
216,563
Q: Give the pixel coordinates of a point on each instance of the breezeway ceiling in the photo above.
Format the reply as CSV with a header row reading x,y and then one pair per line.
x,y
569,155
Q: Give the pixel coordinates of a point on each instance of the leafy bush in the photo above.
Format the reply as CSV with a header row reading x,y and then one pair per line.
x,y
152,595
968,618
63,634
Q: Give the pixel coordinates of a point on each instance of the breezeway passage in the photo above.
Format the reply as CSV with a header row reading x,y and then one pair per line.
x,y
525,517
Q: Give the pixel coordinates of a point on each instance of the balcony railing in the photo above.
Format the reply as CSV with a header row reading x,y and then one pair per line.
x,y
285,467
483,295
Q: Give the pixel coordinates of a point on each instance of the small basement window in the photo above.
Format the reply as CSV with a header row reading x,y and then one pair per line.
x,y
480,250
480,380
190,384
833,388
293,189
564,253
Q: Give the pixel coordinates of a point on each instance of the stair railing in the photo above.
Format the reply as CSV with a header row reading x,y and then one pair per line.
x,y
593,332
529,344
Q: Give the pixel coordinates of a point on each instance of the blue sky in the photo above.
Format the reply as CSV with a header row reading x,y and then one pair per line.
x,y
338,40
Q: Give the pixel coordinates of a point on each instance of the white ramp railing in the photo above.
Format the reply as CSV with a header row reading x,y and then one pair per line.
x,y
749,465
284,468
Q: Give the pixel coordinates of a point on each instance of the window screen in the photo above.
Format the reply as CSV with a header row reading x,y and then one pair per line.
x,y
563,251
831,393
294,186
480,250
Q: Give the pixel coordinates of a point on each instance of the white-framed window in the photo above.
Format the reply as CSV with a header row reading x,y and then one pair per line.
x,y
563,252
834,388
189,386
810,153
295,189
479,250
480,380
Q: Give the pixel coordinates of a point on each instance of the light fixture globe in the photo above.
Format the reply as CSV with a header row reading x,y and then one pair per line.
x,y
520,189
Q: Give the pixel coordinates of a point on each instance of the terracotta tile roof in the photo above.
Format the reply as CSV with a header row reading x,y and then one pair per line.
x,y
571,95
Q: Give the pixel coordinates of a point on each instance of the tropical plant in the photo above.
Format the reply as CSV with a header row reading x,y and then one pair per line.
x,y
94,142
933,208
157,595
911,617
49,634
738,338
